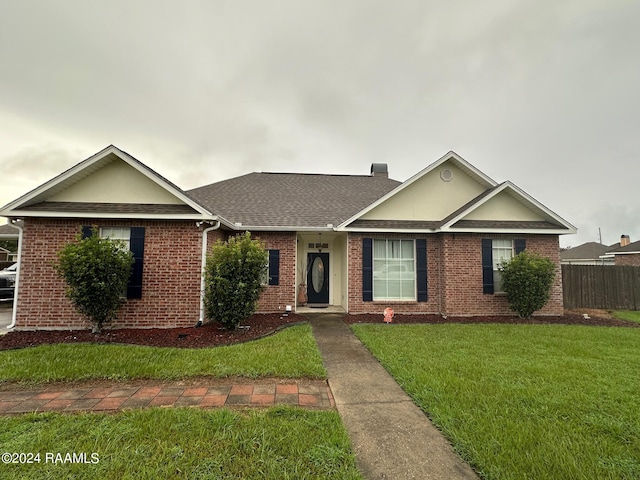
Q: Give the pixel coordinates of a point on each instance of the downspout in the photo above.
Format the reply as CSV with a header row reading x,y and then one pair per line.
x,y
203,265
14,314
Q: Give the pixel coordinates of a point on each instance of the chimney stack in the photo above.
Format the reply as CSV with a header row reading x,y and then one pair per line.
x,y
624,240
379,170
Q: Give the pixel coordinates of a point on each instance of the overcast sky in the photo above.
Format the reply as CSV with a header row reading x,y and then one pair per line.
x,y
543,93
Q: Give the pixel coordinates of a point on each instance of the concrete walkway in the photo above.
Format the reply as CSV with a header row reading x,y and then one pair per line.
x,y
390,435
6,312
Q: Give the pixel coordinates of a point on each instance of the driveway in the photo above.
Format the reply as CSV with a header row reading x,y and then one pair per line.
x,y
6,309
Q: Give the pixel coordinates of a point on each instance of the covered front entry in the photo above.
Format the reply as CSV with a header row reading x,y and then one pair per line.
x,y
318,279
321,271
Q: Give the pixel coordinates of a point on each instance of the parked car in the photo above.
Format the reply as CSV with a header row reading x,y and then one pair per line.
x,y
8,281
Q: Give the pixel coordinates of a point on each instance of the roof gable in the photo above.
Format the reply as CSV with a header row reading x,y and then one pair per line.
x,y
106,184
506,203
452,195
431,194
115,179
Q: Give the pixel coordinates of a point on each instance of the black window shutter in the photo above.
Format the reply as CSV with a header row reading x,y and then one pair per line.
x,y
487,266
421,269
136,244
367,270
274,267
87,231
520,245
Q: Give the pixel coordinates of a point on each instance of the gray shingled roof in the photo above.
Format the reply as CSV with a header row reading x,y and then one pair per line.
x,y
632,247
290,199
586,251
396,224
93,207
7,229
507,224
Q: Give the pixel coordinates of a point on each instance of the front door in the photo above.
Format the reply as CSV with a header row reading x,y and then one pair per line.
x,y
318,279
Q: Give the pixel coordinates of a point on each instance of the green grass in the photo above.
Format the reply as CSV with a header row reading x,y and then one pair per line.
x,y
290,353
524,401
278,443
631,315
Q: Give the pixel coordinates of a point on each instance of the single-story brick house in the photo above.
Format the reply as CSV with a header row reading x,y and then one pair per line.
x,y
361,243
625,253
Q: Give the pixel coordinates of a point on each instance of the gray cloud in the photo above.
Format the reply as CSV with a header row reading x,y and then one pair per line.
x,y
544,93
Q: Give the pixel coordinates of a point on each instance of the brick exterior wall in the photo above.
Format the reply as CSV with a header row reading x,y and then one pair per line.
x,y
275,298
631,260
172,265
171,275
454,276
357,305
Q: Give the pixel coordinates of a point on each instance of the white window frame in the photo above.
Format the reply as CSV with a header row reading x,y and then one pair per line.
x,y
122,234
264,281
386,261
502,250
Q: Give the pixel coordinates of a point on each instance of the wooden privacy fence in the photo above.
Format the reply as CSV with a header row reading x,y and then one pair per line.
x,y
601,286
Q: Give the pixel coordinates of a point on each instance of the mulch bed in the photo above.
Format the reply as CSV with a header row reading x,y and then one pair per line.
x,y
209,335
260,325
568,318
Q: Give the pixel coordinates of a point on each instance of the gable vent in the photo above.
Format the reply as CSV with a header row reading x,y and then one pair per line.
x,y
446,175
379,170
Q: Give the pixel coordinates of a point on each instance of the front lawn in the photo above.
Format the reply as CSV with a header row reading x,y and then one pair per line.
x,y
277,443
290,353
524,401
631,315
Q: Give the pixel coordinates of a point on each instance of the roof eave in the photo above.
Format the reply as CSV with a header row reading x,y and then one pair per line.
x,y
279,228
539,231
120,215
386,230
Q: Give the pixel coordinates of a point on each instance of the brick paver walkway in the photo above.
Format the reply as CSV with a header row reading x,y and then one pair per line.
x,y
310,393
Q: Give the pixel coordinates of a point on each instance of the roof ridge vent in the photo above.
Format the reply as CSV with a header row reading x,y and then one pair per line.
x,y
379,170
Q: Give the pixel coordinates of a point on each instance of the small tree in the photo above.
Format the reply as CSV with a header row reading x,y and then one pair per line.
x,y
233,279
96,271
527,279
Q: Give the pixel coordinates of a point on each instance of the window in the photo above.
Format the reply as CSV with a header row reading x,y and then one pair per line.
x,y
502,251
271,274
394,270
494,252
132,239
122,234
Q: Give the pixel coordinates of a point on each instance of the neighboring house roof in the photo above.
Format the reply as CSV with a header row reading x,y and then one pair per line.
x,y
630,249
8,232
585,252
267,200
114,194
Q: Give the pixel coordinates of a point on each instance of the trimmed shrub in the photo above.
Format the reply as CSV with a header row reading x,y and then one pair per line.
x,y
527,279
233,279
96,271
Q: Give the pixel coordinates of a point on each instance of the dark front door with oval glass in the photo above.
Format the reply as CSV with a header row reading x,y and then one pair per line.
x,y
318,279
